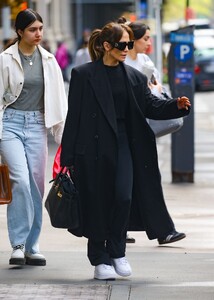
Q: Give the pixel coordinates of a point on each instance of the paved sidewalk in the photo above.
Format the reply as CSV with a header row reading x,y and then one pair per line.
x,y
182,270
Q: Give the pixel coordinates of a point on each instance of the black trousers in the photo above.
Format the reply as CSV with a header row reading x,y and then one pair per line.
x,y
101,252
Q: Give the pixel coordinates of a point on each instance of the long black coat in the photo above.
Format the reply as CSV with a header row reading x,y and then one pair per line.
x,y
89,143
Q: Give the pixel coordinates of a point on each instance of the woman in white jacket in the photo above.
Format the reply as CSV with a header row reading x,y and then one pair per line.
x,y
32,100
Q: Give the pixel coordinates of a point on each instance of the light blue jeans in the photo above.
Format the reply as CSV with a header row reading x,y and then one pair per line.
x,y
24,149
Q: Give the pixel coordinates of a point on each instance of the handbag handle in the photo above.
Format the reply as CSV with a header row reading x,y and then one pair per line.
x,y
64,170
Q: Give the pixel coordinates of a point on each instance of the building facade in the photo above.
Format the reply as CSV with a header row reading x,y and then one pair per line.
x,y
66,19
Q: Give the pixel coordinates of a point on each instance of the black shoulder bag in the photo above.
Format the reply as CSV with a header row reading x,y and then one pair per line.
x,y
62,202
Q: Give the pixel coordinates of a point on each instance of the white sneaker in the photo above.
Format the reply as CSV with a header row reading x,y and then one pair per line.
x,y
35,259
103,272
122,266
17,256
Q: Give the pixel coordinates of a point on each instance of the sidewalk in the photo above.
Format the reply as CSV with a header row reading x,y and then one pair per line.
x,y
182,270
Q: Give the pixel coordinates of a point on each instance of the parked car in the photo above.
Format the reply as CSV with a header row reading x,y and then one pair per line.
x,y
204,68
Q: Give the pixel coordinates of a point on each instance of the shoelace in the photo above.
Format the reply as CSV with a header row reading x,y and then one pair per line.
x,y
108,267
123,260
21,247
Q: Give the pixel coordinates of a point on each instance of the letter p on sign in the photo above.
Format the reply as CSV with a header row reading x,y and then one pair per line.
x,y
183,52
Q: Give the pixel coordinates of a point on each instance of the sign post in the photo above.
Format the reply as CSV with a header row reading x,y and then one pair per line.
x,y
181,81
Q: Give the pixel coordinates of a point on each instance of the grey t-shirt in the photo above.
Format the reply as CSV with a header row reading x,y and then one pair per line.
x,y
32,94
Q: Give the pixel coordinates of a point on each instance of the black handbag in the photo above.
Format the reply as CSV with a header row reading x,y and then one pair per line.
x,y
62,202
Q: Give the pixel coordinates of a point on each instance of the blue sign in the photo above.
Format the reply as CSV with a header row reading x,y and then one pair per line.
x,y
143,10
183,77
183,52
181,38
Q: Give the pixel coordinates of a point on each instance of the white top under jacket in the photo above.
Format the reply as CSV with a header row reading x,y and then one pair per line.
x,y
144,64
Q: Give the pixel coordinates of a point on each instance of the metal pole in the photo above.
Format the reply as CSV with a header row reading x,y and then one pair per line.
x,y
6,22
79,21
137,8
159,62
187,11
30,4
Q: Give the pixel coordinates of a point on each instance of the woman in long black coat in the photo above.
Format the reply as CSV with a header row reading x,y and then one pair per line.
x,y
112,150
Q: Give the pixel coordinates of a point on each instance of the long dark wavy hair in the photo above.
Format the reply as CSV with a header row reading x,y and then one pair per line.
x,y
24,19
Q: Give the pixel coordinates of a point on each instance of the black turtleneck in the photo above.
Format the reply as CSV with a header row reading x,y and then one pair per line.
x,y
119,90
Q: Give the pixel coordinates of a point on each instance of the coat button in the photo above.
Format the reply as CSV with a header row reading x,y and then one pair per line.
x,y
93,115
96,137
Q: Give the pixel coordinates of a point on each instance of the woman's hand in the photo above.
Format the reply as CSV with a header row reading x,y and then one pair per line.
x,y
183,103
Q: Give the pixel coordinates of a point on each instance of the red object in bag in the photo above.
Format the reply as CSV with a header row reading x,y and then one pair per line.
x,y
56,164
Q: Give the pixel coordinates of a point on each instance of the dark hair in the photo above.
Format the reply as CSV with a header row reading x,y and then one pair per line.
x,y
112,33
138,27
24,19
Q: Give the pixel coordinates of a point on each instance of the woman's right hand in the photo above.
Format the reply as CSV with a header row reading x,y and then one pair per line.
x,y
183,103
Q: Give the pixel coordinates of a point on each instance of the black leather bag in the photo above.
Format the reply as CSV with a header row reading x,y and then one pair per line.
x,y
62,202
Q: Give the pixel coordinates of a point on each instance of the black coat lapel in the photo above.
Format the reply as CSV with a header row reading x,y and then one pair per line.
x,y
102,90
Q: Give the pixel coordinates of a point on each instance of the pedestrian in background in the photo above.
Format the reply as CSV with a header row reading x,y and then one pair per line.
x,y
82,55
112,150
138,59
32,99
85,37
46,45
63,58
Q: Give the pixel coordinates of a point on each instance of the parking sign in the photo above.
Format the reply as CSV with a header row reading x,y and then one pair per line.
x,y
183,52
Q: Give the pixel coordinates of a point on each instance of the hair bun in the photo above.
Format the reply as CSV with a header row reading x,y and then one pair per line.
x,y
122,20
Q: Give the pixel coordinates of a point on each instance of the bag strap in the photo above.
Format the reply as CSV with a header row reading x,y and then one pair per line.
x,y
64,170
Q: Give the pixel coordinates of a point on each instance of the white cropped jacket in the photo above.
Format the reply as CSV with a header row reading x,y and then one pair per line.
x,y
11,84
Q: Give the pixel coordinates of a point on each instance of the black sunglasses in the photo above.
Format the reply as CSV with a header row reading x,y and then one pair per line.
x,y
122,45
